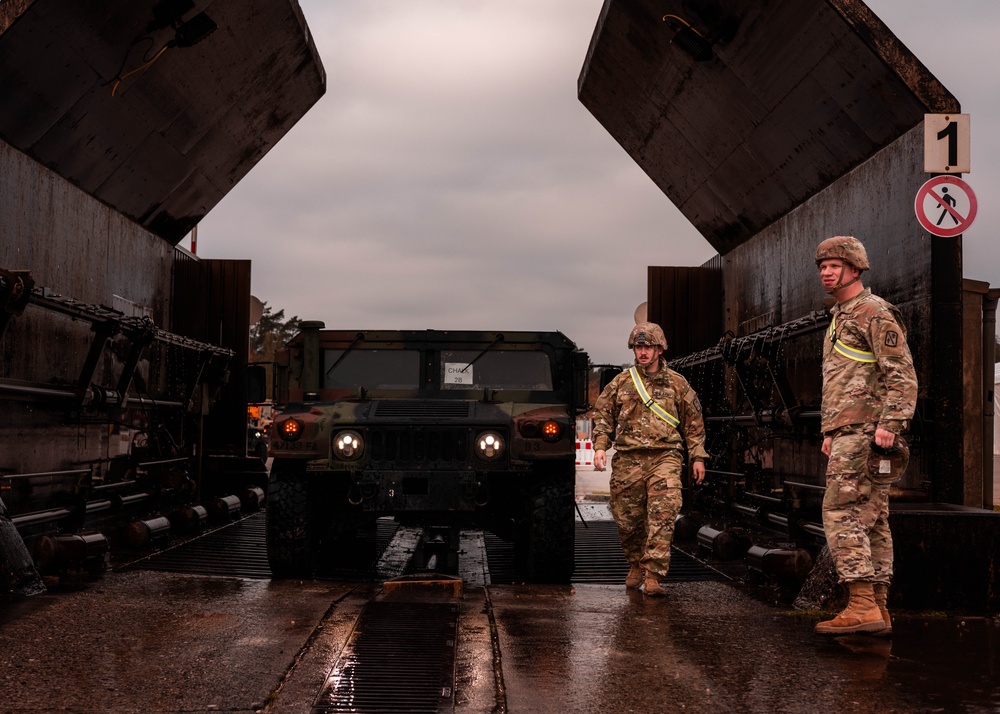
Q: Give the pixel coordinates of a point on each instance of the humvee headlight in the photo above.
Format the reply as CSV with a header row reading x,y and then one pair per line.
x,y
489,446
290,430
551,430
348,445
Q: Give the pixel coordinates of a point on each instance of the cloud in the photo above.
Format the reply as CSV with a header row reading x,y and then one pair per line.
x,y
450,178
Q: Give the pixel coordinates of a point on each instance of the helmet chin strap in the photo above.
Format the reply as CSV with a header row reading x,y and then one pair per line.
x,y
832,290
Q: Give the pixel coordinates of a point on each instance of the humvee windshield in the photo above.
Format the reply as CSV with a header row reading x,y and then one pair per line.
x,y
460,369
372,369
499,369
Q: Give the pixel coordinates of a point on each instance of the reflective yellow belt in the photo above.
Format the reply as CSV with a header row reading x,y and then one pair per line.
x,y
648,400
849,352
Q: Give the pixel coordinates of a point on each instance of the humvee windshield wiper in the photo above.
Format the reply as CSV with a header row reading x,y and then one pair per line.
x,y
496,340
358,338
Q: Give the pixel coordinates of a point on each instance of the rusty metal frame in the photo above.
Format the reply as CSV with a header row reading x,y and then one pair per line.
x,y
17,290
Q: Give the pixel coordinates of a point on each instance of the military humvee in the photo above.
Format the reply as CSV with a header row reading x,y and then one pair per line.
x,y
467,429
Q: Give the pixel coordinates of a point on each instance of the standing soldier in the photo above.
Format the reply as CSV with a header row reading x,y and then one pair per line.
x,y
650,413
869,396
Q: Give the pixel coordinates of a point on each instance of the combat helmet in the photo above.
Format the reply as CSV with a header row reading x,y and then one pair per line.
x,y
886,466
647,333
845,248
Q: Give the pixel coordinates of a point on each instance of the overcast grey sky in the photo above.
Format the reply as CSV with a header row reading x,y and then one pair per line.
x,y
450,178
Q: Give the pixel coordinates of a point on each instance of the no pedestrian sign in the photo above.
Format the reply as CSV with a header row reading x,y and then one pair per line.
x,y
945,206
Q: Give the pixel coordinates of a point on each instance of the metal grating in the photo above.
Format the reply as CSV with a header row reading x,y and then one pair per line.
x,y
400,658
598,559
236,550
240,550
402,448
431,409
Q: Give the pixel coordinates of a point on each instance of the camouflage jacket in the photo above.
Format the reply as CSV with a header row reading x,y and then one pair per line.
x,y
620,417
882,391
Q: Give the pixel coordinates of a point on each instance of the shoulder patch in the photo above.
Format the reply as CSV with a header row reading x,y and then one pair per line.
x,y
891,338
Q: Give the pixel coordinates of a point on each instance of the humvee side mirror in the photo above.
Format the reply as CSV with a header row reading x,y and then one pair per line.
x,y
607,374
256,384
581,381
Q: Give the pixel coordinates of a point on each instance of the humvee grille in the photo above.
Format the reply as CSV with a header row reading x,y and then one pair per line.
x,y
412,448
429,409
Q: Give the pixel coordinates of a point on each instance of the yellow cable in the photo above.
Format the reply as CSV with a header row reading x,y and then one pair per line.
x,y
141,67
683,22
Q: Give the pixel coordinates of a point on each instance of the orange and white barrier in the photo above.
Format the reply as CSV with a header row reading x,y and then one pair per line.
x,y
584,453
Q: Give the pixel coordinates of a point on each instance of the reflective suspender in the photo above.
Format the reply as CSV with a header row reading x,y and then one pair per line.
x,y
648,400
849,352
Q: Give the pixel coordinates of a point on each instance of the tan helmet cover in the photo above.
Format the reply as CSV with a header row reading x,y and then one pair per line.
x,y
647,333
886,466
845,248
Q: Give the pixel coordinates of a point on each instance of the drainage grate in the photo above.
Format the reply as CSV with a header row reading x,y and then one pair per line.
x,y
400,658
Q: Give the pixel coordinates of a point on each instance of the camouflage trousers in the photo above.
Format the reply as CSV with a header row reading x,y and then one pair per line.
x,y
856,511
645,500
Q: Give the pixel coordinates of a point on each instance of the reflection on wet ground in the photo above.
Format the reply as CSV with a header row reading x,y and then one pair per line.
x,y
709,648
140,641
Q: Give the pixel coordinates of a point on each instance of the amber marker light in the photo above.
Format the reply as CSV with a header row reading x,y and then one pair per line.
x,y
551,431
290,430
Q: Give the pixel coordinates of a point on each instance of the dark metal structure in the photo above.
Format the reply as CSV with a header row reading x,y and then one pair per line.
x,y
771,126
122,379
155,108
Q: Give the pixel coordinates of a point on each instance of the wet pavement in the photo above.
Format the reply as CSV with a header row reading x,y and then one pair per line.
x,y
159,642
145,641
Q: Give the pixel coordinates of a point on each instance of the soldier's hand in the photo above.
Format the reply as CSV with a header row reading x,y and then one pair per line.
x,y
827,446
884,438
698,471
600,459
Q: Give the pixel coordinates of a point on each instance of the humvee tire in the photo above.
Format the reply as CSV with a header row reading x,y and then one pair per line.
x,y
289,548
550,534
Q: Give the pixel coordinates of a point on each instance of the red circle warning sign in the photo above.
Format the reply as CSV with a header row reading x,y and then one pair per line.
x,y
945,206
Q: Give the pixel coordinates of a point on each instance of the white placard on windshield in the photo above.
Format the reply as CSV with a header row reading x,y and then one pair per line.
x,y
458,373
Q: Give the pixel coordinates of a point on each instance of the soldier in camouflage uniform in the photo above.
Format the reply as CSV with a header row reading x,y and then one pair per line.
x,y
649,443
869,396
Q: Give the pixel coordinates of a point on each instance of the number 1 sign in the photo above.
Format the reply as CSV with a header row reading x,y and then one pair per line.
x,y
946,144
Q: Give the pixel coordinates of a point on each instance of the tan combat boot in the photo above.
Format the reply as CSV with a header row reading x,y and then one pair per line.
x,y
653,587
634,577
881,591
860,615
